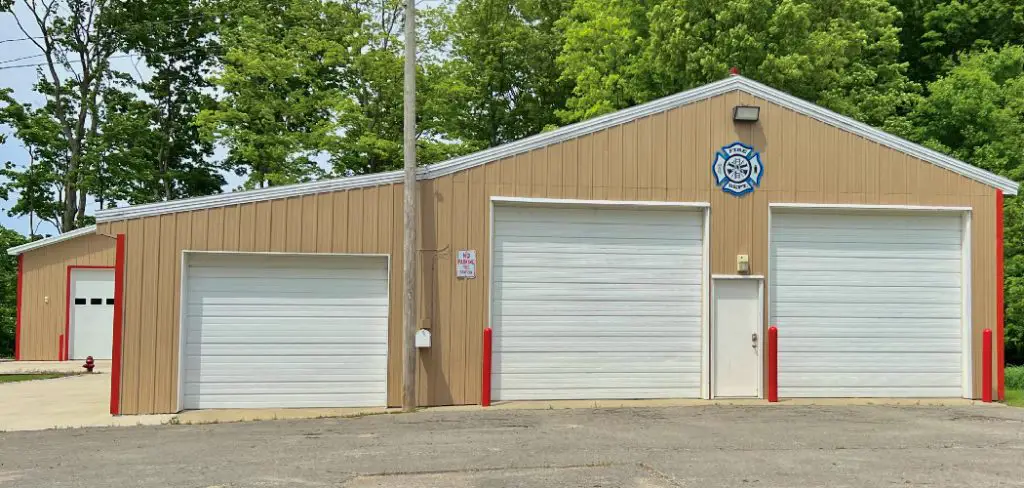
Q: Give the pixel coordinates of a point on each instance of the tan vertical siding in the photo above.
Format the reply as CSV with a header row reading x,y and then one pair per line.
x,y
44,291
663,157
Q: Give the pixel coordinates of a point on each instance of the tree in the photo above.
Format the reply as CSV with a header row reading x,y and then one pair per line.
x,y
841,54
282,96
310,85
8,290
76,42
501,82
934,33
176,39
976,113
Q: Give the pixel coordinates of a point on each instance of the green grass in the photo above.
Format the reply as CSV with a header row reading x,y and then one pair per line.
x,y
12,378
1015,386
1014,397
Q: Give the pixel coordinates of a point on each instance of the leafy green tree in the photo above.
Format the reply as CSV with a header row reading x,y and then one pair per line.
x,y
841,54
976,113
312,84
281,95
501,80
176,40
8,290
934,33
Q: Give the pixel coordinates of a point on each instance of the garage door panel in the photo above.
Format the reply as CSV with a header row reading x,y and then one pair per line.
x,y
888,264
638,260
585,299
286,310
867,250
520,308
308,400
881,362
860,220
869,344
316,325
265,270
880,292
607,276
867,304
863,278
592,291
594,245
588,215
847,308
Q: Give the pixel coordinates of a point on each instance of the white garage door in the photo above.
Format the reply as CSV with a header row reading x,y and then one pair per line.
x,y
867,304
92,313
285,331
596,303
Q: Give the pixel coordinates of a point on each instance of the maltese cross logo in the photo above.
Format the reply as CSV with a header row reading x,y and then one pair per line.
x,y
737,169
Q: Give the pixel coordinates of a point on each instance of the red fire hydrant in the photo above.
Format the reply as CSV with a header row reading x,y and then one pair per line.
x,y
89,364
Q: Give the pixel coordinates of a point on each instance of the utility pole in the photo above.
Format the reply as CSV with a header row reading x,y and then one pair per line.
x,y
409,245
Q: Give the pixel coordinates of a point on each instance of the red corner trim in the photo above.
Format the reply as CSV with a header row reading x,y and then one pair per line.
x,y
1000,352
115,368
17,320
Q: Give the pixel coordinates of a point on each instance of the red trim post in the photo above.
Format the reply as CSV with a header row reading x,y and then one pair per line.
x,y
115,363
773,364
60,347
17,307
67,311
485,384
1000,332
986,366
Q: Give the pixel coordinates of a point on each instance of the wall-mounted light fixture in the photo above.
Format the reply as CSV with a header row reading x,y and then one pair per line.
x,y
746,113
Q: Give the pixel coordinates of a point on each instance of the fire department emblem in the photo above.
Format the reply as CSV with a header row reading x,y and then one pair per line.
x,y
737,169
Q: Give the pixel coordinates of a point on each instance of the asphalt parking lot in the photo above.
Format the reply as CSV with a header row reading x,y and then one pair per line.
x,y
704,446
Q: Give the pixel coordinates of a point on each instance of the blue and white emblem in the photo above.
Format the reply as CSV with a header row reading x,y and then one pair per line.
x,y
737,169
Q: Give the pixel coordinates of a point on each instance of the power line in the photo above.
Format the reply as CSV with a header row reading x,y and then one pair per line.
x,y
118,56
5,61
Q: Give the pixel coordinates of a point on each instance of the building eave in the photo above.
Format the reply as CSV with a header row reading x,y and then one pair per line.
x,y
16,250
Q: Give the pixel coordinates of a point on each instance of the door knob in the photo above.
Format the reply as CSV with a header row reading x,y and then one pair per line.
x,y
753,340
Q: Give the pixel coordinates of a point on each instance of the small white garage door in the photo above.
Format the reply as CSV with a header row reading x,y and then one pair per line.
x,y
596,303
92,313
867,304
285,331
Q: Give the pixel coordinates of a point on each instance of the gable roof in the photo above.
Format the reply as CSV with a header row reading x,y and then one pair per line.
x,y
16,250
570,132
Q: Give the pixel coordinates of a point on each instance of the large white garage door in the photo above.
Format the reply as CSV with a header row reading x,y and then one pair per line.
x,y
867,304
596,303
285,331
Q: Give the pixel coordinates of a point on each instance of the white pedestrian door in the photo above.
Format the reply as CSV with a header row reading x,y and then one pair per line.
x,y
736,343
592,303
92,313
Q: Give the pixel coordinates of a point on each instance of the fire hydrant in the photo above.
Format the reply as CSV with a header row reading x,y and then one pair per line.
x,y
89,364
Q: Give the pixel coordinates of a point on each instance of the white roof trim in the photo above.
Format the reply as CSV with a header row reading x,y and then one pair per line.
x,y
14,251
570,132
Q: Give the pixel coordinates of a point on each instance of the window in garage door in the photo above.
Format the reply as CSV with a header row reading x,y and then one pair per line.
x,y
266,330
868,303
597,302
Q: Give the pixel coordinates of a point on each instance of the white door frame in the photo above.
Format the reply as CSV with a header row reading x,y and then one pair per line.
x,y
709,343
966,298
183,303
704,207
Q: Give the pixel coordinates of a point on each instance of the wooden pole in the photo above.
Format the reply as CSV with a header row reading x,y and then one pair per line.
x,y
409,244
